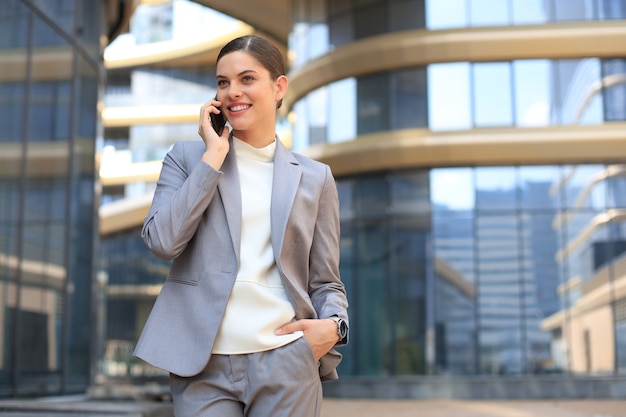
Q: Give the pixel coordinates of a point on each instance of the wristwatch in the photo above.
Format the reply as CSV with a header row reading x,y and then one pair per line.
x,y
342,328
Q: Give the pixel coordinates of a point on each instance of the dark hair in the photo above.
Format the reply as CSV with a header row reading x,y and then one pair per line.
x,y
262,50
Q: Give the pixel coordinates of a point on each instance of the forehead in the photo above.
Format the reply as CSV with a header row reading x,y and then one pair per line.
x,y
236,62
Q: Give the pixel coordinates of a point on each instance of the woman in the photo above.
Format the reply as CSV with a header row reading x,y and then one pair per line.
x,y
249,315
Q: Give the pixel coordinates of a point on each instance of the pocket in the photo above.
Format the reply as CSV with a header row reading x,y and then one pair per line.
x,y
306,350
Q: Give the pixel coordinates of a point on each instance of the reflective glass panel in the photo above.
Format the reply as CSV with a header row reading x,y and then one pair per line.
x,y
572,10
14,27
368,22
496,188
614,89
577,84
342,110
172,86
455,294
499,294
46,36
586,234
492,94
593,113
541,269
409,106
300,122
620,336
616,186
405,15
340,29
452,189
444,14
318,115
372,197
409,194
538,187
345,189
455,308
14,21
454,234
449,102
489,12
151,142
584,188
11,108
317,40
126,261
612,9
298,44
528,12
374,333
532,91
409,239
372,103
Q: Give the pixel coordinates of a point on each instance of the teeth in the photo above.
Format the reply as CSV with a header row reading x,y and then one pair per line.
x,y
238,108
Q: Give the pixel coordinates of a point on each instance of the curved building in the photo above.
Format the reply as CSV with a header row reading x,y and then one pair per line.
x,y
479,151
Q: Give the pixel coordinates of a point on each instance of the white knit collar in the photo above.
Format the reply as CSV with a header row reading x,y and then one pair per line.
x,y
245,150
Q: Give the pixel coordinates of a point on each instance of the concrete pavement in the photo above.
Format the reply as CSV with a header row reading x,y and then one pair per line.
x,y
467,408
333,408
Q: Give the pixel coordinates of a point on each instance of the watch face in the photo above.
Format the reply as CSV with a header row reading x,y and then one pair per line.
x,y
343,329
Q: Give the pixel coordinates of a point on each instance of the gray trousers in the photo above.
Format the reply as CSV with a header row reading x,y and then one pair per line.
x,y
283,382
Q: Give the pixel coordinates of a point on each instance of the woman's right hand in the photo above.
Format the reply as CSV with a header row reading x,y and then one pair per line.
x,y
216,146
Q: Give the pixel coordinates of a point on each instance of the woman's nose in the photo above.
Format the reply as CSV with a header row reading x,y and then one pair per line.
x,y
234,92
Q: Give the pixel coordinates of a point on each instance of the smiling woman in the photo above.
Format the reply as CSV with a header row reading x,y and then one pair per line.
x,y
253,290
250,93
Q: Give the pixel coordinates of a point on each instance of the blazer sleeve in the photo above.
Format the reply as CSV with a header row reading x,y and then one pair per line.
x,y
184,190
326,290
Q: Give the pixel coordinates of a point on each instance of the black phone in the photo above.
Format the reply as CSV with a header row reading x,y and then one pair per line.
x,y
218,121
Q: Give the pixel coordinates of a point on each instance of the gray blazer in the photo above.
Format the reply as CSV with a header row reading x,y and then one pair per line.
x,y
195,219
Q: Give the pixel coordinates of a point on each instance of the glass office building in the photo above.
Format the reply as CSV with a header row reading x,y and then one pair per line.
x,y
476,246
478,148
51,76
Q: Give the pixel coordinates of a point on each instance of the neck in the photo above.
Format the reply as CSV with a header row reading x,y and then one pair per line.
x,y
256,138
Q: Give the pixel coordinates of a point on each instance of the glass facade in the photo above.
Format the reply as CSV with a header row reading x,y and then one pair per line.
x,y
50,75
460,270
133,277
141,87
320,25
462,95
488,270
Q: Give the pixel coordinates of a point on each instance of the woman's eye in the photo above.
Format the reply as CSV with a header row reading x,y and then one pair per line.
x,y
221,83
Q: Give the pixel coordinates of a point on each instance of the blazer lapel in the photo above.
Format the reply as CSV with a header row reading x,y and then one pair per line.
x,y
230,193
287,173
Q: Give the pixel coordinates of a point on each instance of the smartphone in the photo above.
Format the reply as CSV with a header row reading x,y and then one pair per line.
x,y
218,121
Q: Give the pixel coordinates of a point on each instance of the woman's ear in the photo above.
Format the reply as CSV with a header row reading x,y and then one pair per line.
x,y
281,87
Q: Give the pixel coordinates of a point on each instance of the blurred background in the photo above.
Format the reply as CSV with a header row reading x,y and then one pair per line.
x,y
479,148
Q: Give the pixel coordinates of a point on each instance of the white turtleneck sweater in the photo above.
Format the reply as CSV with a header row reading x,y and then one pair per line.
x,y
258,303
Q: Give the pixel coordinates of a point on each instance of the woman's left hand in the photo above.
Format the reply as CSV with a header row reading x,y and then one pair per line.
x,y
321,334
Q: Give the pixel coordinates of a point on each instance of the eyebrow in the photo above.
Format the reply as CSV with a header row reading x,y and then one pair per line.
x,y
238,75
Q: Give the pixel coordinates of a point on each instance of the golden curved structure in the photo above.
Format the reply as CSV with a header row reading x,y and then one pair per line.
x,y
421,47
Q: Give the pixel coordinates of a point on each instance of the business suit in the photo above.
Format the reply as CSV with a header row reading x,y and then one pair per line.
x,y
195,219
